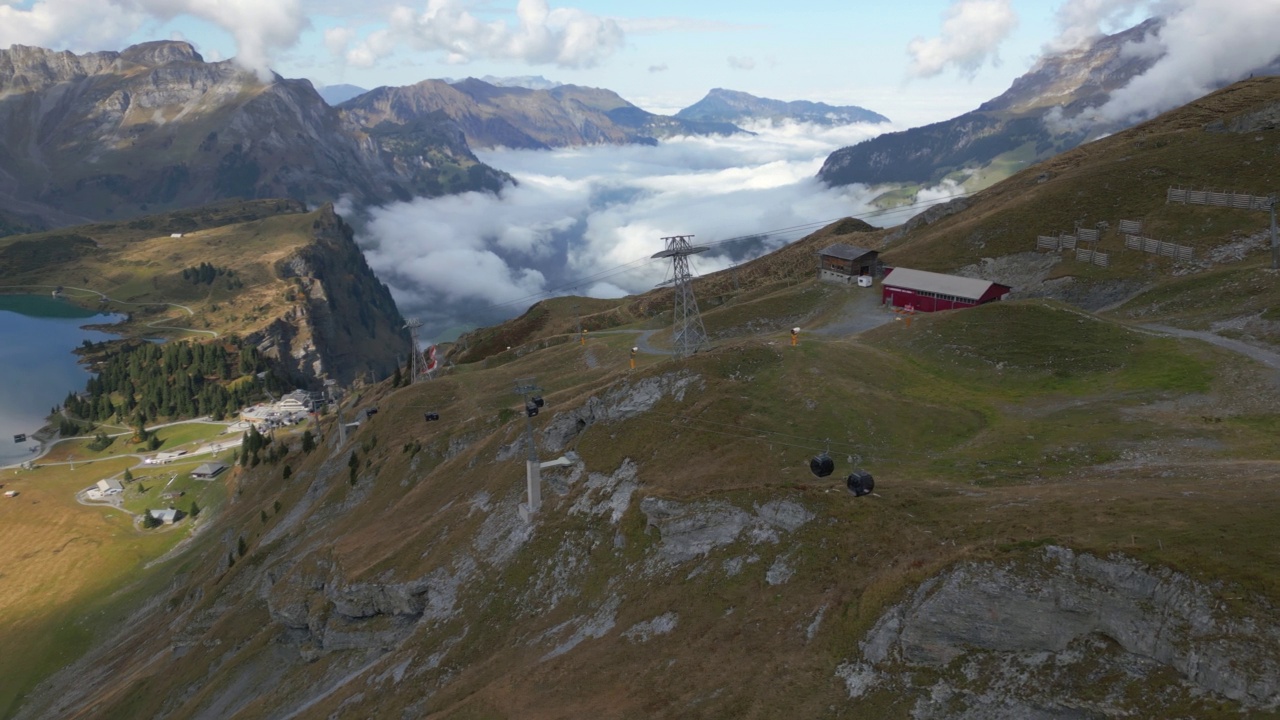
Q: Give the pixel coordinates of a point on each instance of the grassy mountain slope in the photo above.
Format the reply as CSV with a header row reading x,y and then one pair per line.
x,y
422,571
1074,515
1124,176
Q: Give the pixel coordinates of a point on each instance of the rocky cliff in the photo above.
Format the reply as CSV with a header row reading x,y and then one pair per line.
x,y
344,325
519,117
1025,640
154,127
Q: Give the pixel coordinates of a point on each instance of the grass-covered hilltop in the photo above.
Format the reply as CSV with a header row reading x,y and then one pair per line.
x,y
1073,514
290,282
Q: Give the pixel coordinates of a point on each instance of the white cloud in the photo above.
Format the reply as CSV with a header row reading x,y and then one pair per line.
x,y
644,26
566,37
1202,45
260,28
62,24
971,36
579,214
1080,21
742,63
658,68
336,39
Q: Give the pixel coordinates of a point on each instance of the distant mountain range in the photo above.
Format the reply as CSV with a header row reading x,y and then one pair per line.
x,y
155,127
518,117
340,93
1009,132
732,106
530,82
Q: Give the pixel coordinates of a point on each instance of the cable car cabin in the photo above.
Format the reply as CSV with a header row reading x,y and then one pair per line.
x,y
929,291
844,264
20,437
822,465
860,483
431,417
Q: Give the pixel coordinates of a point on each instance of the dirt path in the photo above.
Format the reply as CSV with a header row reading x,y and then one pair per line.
x,y
642,340
859,313
1267,357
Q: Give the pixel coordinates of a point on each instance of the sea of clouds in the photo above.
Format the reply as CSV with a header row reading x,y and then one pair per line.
x,y
584,221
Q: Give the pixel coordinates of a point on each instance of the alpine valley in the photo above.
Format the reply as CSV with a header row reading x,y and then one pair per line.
x,y
1056,505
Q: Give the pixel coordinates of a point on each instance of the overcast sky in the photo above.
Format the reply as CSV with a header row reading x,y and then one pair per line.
x,y
915,62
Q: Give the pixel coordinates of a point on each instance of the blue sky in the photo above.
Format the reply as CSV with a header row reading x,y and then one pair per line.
x,y
662,55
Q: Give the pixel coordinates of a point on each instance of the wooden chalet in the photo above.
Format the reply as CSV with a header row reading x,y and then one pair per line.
x,y
840,263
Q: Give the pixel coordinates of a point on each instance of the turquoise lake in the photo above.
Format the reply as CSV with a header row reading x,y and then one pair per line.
x,y
37,336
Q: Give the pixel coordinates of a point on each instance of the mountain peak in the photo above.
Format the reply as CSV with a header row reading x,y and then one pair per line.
x,y
161,52
734,106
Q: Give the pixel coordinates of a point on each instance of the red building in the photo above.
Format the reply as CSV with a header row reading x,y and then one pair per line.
x,y
929,291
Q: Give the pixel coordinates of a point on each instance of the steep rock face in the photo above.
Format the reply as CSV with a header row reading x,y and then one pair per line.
x,y
732,106
1071,81
1013,641
348,326
519,117
110,135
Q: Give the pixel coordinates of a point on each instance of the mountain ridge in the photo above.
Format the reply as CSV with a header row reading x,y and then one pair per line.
x,y
524,118
155,127
733,106
1044,112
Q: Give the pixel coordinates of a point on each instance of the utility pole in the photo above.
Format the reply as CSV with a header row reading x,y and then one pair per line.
x,y
413,324
1275,245
688,333
529,391
734,269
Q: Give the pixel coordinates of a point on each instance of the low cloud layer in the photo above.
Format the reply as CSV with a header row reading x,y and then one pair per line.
x,y
541,35
260,28
971,37
1201,45
585,221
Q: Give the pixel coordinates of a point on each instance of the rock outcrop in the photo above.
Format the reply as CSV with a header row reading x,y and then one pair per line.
x,y
1011,640
347,325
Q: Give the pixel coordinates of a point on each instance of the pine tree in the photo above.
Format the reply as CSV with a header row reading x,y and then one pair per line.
x,y
195,509
308,441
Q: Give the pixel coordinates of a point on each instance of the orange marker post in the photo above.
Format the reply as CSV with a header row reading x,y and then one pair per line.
x,y
795,336
634,350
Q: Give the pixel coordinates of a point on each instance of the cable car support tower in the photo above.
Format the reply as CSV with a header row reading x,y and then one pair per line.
x,y
412,324
688,335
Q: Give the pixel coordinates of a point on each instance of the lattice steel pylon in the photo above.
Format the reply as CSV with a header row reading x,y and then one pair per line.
x,y
413,324
688,335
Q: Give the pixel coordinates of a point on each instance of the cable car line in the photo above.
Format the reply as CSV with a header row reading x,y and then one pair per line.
x,y
763,234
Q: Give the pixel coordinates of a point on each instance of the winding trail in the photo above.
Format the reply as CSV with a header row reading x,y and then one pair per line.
x,y
153,324
642,340
1267,357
